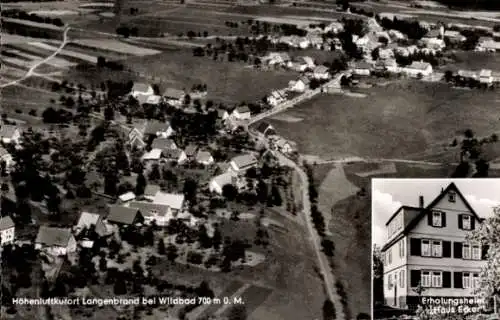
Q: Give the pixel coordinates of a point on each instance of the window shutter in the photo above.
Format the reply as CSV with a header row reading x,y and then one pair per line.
x,y
446,279
457,250
443,217
415,278
457,280
460,224
484,251
446,249
429,218
472,222
415,247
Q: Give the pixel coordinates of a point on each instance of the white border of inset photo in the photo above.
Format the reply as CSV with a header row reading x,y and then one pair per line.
x,y
431,245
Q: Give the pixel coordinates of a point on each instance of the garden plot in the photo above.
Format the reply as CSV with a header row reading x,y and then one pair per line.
x,y
65,52
18,62
115,46
56,62
54,13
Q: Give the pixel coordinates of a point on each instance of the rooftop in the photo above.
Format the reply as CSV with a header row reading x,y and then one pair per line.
x,y
121,214
155,126
141,87
244,160
6,223
173,93
87,219
7,130
163,143
52,236
203,156
175,201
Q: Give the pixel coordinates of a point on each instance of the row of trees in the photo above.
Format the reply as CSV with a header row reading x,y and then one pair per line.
x,y
23,15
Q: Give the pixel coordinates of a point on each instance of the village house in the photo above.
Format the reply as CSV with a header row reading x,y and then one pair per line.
x,y
152,155
121,215
223,114
174,201
468,74
334,27
9,134
434,43
6,158
89,220
126,197
136,138
367,43
418,68
300,85
301,64
217,183
160,214
190,151
158,129
321,72
315,41
276,58
386,53
150,191
485,76
283,145
7,230
396,35
55,241
276,98
174,97
241,113
204,158
454,36
361,68
243,162
406,51
163,144
265,129
141,89
177,155
487,44
389,65
154,100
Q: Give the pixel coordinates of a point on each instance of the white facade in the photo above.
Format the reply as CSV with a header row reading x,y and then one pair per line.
x,y
59,250
241,115
13,138
418,68
148,92
7,236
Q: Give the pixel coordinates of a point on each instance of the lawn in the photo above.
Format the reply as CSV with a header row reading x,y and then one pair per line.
x,y
229,82
470,60
22,98
400,120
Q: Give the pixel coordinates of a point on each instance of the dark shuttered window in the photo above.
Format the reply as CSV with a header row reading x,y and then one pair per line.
x,y
414,278
429,218
472,223
415,247
457,250
446,279
446,249
460,222
484,252
457,280
443,219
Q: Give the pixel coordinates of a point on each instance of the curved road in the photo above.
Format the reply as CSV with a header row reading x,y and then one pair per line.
x,y
39,63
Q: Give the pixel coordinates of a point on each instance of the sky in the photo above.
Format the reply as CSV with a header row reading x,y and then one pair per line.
x,y
390,194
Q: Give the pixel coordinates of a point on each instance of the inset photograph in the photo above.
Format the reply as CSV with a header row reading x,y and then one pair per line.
x,y
435,248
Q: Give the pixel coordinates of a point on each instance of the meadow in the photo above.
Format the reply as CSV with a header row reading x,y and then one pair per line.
x,y
400,120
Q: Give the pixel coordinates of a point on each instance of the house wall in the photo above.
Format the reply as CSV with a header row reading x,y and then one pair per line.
x,y
214,187
395,293
7,236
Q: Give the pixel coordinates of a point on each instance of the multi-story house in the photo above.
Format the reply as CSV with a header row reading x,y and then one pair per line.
x,y
428,252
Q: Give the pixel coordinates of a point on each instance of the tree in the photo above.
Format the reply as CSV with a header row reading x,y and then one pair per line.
x,y
375,53
448,75
154,174
161,247
101,62
120,287
172,253
189,190
229,192
276,196
378,277
217,239
328,247
329,310
140,184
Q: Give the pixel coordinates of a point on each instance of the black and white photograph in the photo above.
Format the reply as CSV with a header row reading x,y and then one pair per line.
x,y
213,159
436,248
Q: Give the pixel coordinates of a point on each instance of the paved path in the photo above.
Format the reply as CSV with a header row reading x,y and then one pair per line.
x,y
39,63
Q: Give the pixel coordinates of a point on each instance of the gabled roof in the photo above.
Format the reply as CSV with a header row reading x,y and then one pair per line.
x,y
151,189
362,65
320,69
3,152
190,150
203,156
6,223
224,178
154,154
243,109
7,130
424,211
419,65
127,196
172,93
51,236
163,143
154,126
154,99
87,219
172,154
149,208
305,80
485,73
244,160
172,200
121,214
141,87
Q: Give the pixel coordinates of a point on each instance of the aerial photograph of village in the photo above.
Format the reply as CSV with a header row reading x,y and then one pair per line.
x,y
212,159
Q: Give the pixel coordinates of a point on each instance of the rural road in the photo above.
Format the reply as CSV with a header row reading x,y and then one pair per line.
x,y
39,63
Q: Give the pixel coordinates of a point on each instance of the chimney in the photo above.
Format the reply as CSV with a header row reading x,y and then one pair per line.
x,y
421,201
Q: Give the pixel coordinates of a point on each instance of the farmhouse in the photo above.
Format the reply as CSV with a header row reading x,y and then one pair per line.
x,y
300,85
6,158
487,44
136,138
454,36
121,215
241,113
418,68
428,246
265,129
7,230
163,144
150,191
142,89
9,134
128,196
321,72
174,96
301,64
174,201
485,76
160,214
154,100
204,157
242,163
153,155
177,155
386,53
88,220
334,27
55,241
158,128
283,145
218,182
276,98
361,68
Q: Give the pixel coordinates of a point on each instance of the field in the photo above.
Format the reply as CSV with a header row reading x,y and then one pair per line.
x,y
229,82
473,61
400,120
